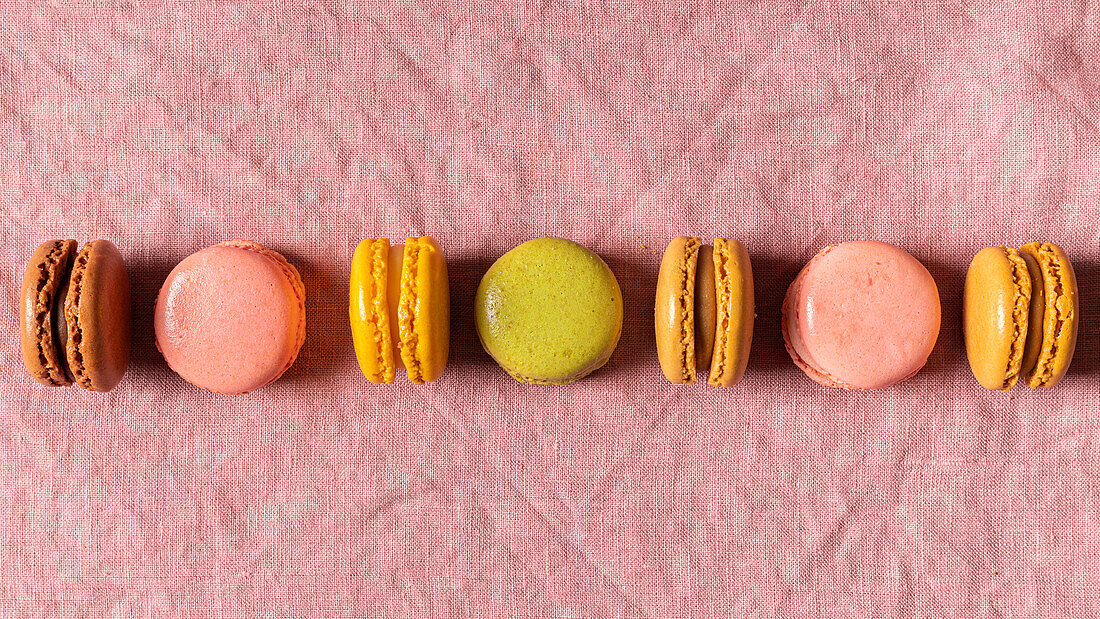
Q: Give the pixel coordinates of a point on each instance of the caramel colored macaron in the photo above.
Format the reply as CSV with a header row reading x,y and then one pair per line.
x,y
1020,315
704,311
75,324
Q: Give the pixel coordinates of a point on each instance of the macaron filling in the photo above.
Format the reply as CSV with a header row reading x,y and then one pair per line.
x,y
60,325
706,307
393,301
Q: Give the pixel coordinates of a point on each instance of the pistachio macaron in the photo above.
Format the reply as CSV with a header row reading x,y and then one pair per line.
x,y
75,324
704,311
1020,315
400,309
549,311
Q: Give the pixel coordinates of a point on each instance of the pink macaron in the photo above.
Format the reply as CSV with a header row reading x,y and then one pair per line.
x,y
861,315
231,318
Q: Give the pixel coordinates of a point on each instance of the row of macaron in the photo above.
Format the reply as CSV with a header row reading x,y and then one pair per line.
x,y
860,315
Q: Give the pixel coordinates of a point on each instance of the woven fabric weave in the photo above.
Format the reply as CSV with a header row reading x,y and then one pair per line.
x,y
167,127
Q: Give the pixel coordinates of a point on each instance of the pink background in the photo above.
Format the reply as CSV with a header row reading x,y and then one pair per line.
x,y
167,127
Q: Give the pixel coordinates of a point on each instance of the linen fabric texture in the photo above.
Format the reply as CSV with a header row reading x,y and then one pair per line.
x,y
167,127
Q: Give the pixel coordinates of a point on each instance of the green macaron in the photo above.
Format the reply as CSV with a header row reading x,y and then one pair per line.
x,y
549,311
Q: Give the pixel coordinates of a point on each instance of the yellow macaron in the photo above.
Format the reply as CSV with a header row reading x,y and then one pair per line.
x,y
704,311
1020,315
400,309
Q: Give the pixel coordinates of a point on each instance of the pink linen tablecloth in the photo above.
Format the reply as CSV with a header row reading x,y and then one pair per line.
x,y
169,126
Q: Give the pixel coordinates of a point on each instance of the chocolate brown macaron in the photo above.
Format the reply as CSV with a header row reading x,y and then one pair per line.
x,y
74,309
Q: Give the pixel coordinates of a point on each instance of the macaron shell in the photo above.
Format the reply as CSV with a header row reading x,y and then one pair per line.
x,y
294,279
1060,315
706,308
231,318
862,315
996,295
674,310
369,310
43,354
424,310
795,348
736,308
792,340
98,317
393,297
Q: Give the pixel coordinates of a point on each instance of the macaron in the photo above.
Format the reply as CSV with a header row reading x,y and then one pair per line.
x,y
75,322
1020,315
400,309
231,318
549,311
861,315
704,311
